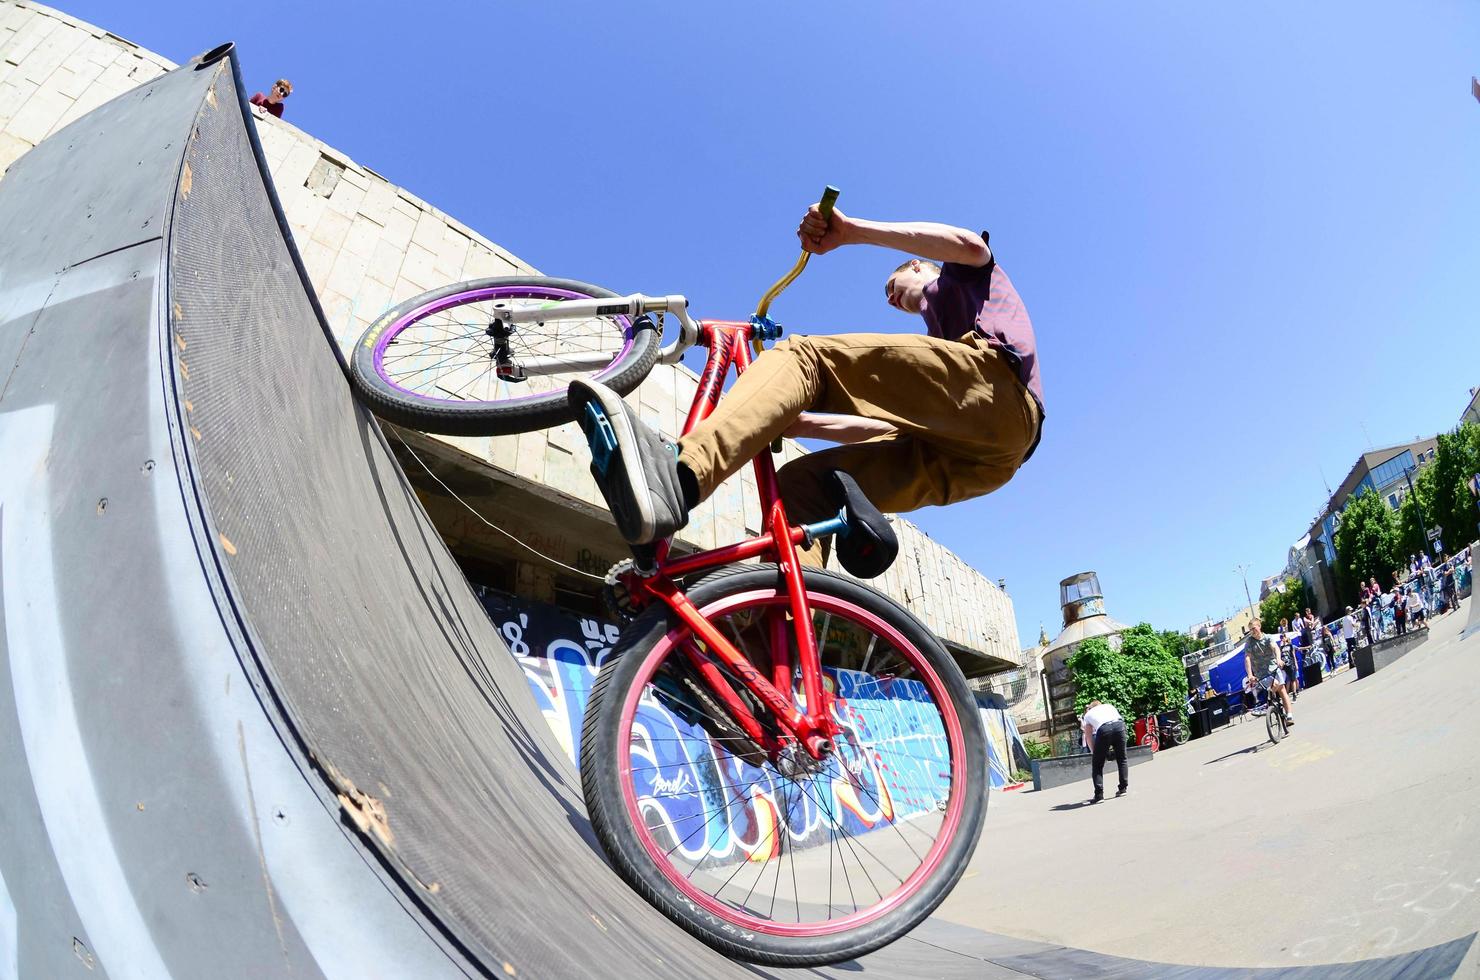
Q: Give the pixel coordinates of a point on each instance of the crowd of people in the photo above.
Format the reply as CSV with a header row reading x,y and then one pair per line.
x,y
1422,590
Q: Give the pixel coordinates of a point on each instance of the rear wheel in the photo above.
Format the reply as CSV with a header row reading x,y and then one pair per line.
x,y
445,362
774,857
1179,734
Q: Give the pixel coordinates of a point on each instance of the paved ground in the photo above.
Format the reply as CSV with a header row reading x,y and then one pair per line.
x,y
1356,837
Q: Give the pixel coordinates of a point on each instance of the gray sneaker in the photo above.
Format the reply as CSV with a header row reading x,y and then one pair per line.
x,y
635,467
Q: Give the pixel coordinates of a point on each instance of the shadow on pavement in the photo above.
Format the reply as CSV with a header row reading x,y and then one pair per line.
x,y
1250,750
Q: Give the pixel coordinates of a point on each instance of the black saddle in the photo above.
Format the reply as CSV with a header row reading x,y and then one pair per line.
x,y
867,546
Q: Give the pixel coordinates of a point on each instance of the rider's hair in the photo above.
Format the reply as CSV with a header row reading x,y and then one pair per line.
x,y
924,264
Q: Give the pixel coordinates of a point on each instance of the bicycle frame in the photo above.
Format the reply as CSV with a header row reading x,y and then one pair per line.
x,y
729,344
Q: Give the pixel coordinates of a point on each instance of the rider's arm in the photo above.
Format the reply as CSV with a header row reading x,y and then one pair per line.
x,y
926,239
837,428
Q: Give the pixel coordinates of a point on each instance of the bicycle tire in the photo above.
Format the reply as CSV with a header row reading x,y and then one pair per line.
x,y
1179,734
466,417
1274,722
606,753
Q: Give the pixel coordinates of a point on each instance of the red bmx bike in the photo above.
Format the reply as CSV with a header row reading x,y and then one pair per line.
x,y
842,762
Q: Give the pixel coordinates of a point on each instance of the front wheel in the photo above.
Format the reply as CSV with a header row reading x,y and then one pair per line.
x,y
774,857
1179,734
1274,721
446,362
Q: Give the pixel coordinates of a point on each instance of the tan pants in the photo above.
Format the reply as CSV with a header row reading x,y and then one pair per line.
x,y
964,420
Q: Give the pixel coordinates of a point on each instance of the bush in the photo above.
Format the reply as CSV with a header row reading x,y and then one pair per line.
x,y
1037,749
1139,679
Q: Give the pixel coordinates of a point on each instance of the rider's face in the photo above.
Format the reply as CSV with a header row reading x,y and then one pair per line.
x,y
905,289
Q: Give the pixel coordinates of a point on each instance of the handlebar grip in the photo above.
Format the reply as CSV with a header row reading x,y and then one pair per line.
x,y
829,198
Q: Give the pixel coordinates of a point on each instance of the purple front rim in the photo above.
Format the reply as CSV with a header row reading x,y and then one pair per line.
x,y
477,296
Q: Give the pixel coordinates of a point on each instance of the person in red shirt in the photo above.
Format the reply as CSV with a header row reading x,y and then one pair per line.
x,y
273,100
922,419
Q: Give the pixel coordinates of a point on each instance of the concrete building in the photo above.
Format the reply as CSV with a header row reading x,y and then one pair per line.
x,y
521,513
1083,606
1381,470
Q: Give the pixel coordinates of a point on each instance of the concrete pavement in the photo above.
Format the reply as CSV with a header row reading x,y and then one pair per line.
x,y
1354,838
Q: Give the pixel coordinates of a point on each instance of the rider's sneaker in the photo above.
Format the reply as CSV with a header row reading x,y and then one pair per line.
x,y
635,467
1289,720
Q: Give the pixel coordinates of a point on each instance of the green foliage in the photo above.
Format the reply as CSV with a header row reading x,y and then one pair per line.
x,y
1037,749
1366,545
1286,605
1022,776
1451,505
1416,516
1143,677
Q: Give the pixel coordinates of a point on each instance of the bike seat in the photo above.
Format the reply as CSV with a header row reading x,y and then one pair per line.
x,y
867,546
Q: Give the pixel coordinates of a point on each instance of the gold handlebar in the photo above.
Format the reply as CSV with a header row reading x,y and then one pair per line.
x,y
825,208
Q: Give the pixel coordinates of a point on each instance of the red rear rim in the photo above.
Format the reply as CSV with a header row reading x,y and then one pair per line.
x,y
752,844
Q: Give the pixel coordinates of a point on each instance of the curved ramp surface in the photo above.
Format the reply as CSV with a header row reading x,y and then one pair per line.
x,y
201,516
255,723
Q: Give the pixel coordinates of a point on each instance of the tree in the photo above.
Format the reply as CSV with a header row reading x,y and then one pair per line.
x,y
1366,545
1292,602
1416,514
1452,505
1143,677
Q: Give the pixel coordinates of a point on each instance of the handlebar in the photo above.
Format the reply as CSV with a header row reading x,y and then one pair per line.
x,y
825,208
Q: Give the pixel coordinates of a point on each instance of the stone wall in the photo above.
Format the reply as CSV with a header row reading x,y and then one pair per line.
x,y
368,245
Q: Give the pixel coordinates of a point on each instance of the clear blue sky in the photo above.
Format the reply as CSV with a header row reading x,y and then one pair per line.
x,y
1243,230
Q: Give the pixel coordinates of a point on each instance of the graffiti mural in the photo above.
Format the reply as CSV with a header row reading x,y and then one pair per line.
x,y
703,800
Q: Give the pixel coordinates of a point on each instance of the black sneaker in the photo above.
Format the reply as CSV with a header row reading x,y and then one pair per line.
x,y
1096,799
635,467
1122,791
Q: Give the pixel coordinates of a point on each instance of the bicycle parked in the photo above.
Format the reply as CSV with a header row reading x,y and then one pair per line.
x,y
1159,735
851,788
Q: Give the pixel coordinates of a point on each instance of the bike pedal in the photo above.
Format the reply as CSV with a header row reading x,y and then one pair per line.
x,y
600,437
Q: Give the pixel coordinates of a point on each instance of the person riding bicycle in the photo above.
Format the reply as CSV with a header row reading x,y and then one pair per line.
x,y
923,420
1262,660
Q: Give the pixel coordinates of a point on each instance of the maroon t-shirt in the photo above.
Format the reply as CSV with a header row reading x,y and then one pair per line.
x,y
981,298
276,108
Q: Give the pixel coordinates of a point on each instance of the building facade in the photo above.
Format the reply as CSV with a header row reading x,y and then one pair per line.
x,y
522,514
1385,471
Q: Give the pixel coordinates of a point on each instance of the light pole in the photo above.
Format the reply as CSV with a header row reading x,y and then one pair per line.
x,y
1418,507
1243,569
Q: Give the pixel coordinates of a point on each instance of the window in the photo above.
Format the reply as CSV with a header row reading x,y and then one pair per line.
x,y
1393,501
1393,469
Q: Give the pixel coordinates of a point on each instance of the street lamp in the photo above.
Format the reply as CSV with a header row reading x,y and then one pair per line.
x,y
1243,569
1417,506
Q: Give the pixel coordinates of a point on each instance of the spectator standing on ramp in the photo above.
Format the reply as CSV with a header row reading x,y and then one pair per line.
x,y
1104,733
273,100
